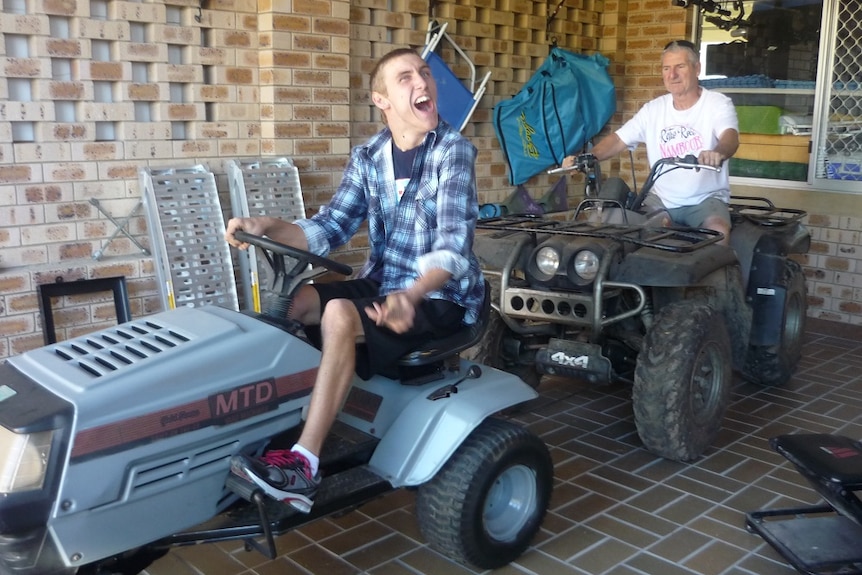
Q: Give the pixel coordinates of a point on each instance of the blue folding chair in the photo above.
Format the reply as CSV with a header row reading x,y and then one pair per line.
x,y
456,101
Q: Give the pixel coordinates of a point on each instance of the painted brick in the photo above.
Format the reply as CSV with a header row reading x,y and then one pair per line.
x,y
24,256
313,43
143,92
148,150
239,75
291,23
331,96
42,152
62,90
179,73
293,130
15,174
178,35
26,112
132,52
69,171
16,324
331,61
27,24
312,7
331,26
183,112
14,283
389,19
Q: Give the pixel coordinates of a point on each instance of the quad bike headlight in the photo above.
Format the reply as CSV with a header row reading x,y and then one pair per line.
x,y
586,265
23,460
548,260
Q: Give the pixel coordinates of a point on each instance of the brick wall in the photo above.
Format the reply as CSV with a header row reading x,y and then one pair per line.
x,y
92,90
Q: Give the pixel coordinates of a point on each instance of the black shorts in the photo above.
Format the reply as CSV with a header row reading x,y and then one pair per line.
x,y
435,318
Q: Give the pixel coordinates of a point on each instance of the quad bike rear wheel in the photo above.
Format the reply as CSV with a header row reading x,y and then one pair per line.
x,y
487,502
774,364
682,380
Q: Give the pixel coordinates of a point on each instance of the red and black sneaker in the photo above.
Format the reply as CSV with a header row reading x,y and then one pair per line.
x,y
282,474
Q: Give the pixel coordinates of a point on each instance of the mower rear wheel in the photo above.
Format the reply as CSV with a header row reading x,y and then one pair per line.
x,y
486,504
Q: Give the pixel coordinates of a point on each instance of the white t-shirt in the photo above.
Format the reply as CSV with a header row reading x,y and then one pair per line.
x,y
668,132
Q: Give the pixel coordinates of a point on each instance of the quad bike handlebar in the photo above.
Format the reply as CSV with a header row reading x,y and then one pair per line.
x,y
664,166
587,162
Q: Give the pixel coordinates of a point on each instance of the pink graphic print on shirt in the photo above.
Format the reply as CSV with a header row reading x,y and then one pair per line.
x,y
679,141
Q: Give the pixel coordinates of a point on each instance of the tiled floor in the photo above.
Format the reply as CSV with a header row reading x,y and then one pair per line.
x,y
616,509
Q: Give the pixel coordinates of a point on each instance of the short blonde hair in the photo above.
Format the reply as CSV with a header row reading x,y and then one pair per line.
x,y
377,83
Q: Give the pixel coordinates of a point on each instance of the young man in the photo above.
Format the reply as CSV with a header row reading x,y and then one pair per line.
x,y
688,120
414,182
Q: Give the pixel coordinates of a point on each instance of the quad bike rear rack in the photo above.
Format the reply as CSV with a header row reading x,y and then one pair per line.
x,y
763,212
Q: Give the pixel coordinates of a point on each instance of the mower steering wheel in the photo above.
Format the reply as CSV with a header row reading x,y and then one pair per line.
x,y
303,256
286,281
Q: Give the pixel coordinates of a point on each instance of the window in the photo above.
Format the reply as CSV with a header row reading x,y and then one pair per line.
x,y
796,91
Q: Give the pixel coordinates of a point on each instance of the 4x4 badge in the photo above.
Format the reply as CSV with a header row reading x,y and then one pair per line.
x,y
582,361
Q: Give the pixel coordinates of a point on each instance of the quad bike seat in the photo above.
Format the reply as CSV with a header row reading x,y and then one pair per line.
x,y
820,539
436,351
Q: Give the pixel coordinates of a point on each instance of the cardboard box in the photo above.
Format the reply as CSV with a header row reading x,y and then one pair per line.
x,y
773,148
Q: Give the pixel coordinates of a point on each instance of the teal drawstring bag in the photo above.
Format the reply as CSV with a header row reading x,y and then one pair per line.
x,y
567,101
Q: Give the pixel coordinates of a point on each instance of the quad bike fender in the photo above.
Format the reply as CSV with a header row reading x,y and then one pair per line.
x,y
750,240
763,252
428,431
667,269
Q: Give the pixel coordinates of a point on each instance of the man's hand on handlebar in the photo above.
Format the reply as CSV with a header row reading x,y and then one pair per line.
x,y
710,158
690,162
581,163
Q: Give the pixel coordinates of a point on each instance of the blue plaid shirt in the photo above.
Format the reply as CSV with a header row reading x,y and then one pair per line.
x,y
432,226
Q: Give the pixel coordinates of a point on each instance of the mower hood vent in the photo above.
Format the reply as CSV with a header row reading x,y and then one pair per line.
x,y
210,459
112,350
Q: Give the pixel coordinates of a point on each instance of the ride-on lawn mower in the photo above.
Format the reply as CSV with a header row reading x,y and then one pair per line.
x,y
115,446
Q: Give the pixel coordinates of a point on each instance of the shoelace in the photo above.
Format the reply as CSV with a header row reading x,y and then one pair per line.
x,y
284,458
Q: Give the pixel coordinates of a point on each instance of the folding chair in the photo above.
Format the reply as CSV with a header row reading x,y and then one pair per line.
x,y
456,101
819,539
261,187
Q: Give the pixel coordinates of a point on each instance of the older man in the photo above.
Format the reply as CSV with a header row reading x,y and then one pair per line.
x,y
688,120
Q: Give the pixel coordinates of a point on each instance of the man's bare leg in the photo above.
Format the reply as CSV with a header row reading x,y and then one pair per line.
x,y
718,225
306,306
340,328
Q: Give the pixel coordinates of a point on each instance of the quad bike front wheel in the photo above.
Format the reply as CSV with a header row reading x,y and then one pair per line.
x,y
774,364
486,504
682,381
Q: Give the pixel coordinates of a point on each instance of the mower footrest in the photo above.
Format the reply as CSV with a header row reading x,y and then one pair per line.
x,y
814,540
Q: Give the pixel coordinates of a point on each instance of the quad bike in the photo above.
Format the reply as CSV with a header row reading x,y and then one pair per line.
x,y
613,295
115,446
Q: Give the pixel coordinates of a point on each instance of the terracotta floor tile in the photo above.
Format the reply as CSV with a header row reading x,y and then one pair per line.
x,y
616,508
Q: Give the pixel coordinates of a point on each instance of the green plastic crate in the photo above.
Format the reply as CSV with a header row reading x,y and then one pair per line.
x,y
759,119
771,170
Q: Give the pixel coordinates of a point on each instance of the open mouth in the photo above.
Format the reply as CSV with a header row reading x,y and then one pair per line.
x,y
423,104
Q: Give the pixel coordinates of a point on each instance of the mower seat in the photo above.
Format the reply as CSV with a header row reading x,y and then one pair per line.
x,y
437,350
823,538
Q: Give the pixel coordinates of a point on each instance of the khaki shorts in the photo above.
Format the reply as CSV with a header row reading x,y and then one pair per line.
x,y
691,216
